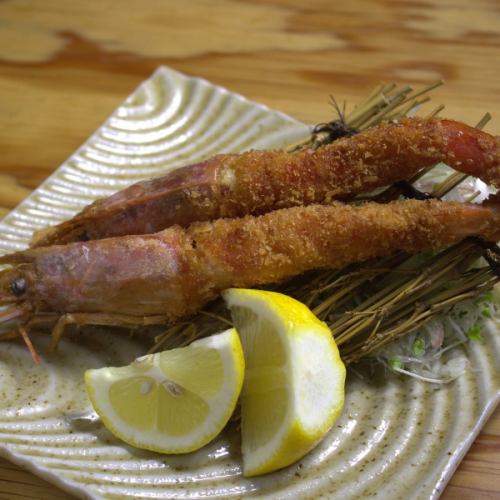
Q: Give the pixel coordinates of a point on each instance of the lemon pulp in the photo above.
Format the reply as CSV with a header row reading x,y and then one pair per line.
x,y
175,401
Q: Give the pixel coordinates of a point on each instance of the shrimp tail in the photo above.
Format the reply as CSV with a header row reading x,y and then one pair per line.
x,y
472,151
257,182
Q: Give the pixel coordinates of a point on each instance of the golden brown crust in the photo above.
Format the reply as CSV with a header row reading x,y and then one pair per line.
x,y
176,271
284,243
257,182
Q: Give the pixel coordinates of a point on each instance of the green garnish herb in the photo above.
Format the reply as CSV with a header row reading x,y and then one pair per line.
x,y
486,297
474,333
396,363
486,313
418,347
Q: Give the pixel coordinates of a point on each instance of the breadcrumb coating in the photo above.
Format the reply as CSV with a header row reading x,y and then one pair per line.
x,y
257,182
176,271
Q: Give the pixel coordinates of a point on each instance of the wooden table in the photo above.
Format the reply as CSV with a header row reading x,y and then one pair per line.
x,y
64,66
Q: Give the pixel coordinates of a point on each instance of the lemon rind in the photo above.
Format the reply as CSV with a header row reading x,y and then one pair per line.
x,y
293,322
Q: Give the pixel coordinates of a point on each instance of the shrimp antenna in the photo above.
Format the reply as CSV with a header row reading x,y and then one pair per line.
x,y
24,334
340,112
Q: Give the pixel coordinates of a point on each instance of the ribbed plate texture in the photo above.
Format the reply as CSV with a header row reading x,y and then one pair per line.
x,y
397,439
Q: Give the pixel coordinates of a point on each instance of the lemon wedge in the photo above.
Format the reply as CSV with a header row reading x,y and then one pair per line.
x,y
175,401
294,378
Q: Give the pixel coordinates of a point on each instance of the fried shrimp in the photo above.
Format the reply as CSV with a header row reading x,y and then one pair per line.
x,y
258,182
147,279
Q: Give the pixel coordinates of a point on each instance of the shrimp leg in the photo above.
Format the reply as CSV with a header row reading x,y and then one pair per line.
x,y
257,182
176,271
101,320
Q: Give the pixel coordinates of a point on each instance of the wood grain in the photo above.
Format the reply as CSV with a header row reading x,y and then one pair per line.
x,y
64,66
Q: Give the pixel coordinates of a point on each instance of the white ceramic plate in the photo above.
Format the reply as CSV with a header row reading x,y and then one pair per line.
x,y
402,439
